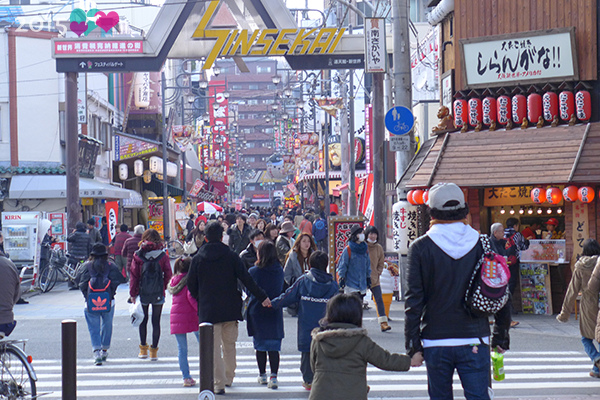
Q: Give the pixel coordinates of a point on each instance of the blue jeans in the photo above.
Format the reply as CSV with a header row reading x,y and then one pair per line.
x,y
100,328
377,296
182,353
591,351
473,370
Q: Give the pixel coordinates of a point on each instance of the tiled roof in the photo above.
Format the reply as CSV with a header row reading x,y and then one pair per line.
x,y
33,170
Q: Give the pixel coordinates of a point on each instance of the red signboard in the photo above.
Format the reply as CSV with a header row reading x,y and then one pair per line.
x,y
197,187
219,142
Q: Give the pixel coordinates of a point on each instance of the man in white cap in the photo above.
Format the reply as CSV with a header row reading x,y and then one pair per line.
x,y
284,241
438,327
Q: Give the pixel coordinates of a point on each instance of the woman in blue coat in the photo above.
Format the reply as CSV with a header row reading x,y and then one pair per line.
x,y
265,325
354,266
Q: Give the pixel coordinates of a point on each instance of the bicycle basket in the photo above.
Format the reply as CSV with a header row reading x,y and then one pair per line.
x,y
58,259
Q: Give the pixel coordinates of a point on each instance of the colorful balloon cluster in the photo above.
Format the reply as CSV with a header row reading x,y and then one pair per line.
x,y
553,195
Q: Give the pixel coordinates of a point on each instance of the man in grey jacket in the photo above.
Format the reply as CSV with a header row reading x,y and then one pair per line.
x,y
10,291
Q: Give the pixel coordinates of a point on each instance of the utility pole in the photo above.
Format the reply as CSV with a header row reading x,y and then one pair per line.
x,y
378,192
352,150
402,77
183,160
72,151
166,221
344,139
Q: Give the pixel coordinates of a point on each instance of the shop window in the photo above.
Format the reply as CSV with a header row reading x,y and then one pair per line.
x,y
263,69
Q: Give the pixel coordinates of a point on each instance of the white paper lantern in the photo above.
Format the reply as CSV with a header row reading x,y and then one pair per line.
x,y
123,171
404,218
171,169
142,89
156,165
138,167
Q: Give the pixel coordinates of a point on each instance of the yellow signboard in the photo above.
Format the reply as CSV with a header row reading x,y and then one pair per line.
x,y
510,196
265,42
87,201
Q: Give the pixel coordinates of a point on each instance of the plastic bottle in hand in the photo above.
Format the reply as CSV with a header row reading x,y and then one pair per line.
x,y
498,363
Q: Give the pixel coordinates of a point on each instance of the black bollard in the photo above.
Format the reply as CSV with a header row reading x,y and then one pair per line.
x,y
69,359
207,344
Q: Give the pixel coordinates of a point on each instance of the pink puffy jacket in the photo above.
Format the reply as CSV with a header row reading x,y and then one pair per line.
x,y
184,311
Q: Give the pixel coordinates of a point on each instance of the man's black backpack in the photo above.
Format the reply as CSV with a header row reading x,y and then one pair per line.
x,y
152,289
99,291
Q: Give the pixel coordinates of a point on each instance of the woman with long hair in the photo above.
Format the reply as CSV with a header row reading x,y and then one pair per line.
x,y
271,232
99,273
184,315
265,325
297,259
261,224
150,275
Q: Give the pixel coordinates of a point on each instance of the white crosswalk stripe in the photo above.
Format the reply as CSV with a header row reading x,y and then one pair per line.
x,y
544,372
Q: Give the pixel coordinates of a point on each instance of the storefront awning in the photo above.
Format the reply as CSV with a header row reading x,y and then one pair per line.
x,y
549,155
55,187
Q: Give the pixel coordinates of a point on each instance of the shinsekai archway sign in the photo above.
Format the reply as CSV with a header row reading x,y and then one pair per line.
x,y
186,30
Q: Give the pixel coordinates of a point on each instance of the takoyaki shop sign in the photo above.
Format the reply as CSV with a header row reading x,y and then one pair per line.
x,y
524,57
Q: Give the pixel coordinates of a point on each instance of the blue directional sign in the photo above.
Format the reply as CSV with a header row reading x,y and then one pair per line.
x,y
399,120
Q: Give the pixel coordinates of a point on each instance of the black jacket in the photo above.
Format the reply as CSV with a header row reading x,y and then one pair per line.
x,y
80,244
238,241
213,282
115,276
249,256
435,306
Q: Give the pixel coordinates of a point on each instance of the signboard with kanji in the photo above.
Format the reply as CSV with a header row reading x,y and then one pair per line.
x,y
339,233
405,228
375,49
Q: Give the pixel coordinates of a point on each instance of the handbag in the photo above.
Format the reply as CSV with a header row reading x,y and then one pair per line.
x,y
488,290
190,247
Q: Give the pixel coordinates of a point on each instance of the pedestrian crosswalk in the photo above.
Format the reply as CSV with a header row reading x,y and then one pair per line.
x,y
527,373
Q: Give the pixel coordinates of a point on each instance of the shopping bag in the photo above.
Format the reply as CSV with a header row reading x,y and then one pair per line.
x,y
136,313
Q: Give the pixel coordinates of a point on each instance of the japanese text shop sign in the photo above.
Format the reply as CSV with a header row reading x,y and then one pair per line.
x,y
580,229
107,46
404,217
523,57
375,51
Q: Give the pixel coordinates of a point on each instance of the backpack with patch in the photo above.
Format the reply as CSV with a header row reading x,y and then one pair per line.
x,y
320,229
488,290
152,289
99,292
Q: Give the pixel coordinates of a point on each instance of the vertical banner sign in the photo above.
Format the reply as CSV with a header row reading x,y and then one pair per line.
x,y
369,138
219,113
82,98
112,220
404,217
375,49
581,229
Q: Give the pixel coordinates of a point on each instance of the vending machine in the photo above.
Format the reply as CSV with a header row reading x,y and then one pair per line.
x,y
20,235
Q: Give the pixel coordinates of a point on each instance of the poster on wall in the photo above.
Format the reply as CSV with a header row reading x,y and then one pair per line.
x,y
535,289
112,218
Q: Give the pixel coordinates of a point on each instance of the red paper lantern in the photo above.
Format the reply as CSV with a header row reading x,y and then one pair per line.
x,y
550,106
409,197
504,109
460,112
475,112
418,196
426,197
586,194
570,193
489,110
534,107
519,108
553,195
583,103
538,195
566,103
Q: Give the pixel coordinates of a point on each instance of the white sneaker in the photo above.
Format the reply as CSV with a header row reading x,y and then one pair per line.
x,y
262,379
272,382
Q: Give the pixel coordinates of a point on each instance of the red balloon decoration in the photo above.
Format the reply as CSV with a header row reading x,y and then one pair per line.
x,y
426,197
460,112
519,108
550,106
489,110
586,194
538,195
570,193
553,195
583,103
475,112
409,197
504,110
534,107
566,105
418,196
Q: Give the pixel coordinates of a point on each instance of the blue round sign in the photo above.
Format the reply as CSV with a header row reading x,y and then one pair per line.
x,y
399,120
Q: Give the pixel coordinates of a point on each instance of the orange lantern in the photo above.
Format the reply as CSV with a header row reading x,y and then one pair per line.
x,y
426,197
418,196
538,195
570,193
553,195
409,197
586,194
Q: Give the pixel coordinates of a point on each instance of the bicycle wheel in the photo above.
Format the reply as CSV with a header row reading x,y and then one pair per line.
x,y
48,278
16,383
175,249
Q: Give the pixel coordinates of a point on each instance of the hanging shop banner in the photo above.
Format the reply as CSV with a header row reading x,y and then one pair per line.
x,y
524,57
404,218
369,138
507,196
219,143
197,187
82,99
330,105
375,50
424,65
580,229
112,218
126,148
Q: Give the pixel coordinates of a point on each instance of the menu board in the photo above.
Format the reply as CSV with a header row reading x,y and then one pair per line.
x,y
536,296
545,251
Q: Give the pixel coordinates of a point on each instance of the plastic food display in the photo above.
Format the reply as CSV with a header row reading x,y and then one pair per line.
x,y
545,251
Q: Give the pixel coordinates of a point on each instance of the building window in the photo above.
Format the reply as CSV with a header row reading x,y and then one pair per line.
x,y
236,86
252,102
250,187
253,86
250,145
250,159
105,136
268,101
269,130
263,69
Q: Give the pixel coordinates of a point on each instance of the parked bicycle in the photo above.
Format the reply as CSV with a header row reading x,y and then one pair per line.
x,y
62,263
17,377
175,249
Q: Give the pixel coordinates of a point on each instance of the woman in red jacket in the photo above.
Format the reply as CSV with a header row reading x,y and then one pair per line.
x,y
184,315
149,277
